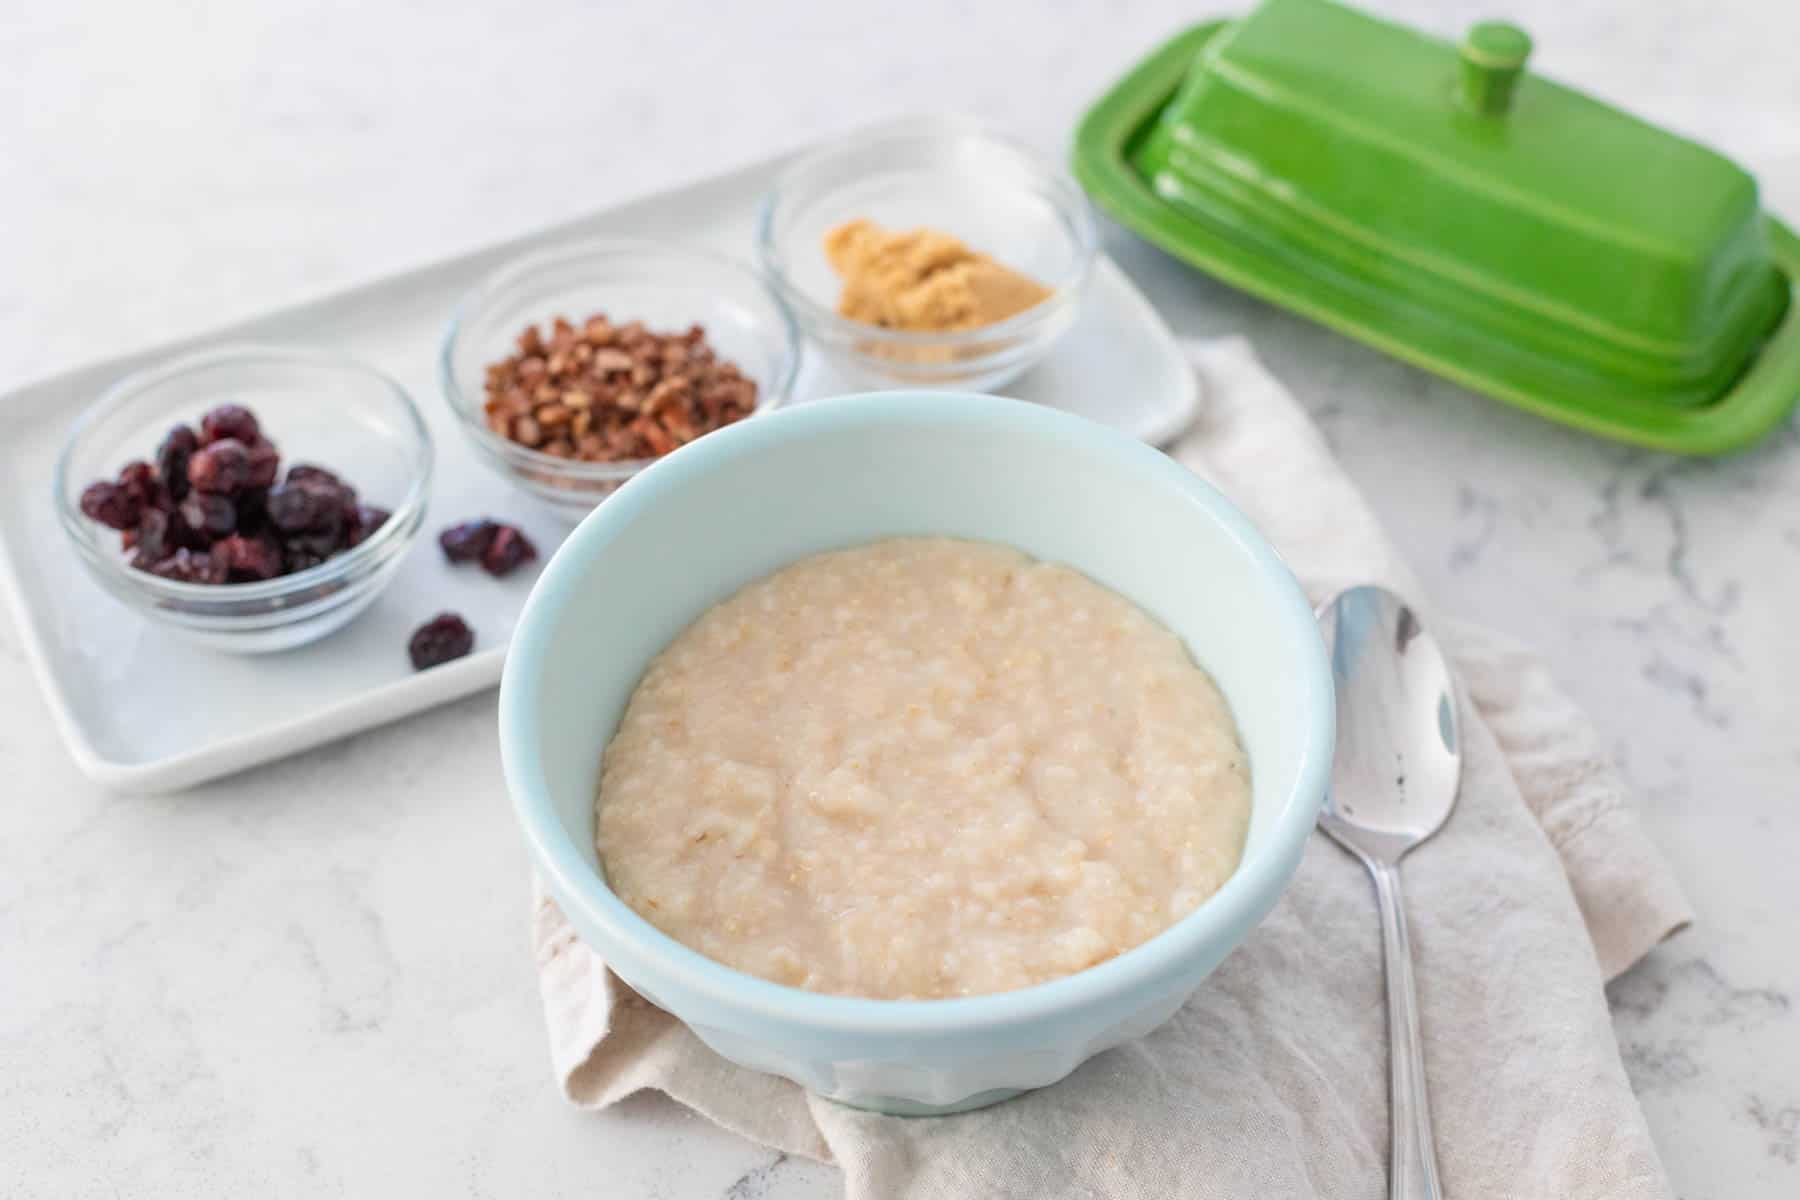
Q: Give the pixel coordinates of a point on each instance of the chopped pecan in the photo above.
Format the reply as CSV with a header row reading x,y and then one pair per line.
x,y
602,392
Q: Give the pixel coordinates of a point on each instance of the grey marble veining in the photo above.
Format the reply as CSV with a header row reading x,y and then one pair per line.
x,y
313,979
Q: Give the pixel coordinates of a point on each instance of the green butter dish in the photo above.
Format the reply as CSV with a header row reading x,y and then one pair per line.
x,y
1445,205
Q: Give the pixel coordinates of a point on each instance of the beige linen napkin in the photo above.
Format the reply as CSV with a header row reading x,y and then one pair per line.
x,y
1272,1080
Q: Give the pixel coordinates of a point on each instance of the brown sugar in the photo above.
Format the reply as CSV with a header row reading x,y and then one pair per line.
x,y
923,280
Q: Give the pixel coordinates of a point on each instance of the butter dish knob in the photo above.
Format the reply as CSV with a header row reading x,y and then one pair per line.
x,y
1493,55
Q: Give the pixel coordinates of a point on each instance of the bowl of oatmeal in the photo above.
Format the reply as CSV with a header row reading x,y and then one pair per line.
x,y
916,746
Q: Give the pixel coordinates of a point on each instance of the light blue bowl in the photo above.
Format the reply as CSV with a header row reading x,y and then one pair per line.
x,y
744,501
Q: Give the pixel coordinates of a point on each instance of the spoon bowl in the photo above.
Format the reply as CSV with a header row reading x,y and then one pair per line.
x,y
1399,760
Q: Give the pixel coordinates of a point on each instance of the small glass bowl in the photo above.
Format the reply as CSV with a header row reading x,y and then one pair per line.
x,y
667,287
316,407
938,173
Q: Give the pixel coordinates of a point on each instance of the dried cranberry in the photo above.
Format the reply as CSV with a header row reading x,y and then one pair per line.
x,y
331,491
249,557
213,517
139,479
508,550
221,467
150,540
468,541
180,533
310,505
178,445
347,498
252,509
444,637
265,462
230,421
111,504
368,519
304,472
312,548
188,566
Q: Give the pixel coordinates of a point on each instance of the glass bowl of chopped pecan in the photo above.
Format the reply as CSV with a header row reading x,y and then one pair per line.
x,y
928,252
251,498
573,368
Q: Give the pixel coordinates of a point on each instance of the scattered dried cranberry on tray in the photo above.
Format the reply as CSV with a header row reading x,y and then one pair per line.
x,y
468,541
444,637
508,550
609,393
498,548
209,509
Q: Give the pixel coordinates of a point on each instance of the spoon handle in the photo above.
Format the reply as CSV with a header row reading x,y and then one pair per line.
x,y
1412,1165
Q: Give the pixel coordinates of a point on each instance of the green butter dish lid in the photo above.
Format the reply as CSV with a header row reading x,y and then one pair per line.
x,y
1444,204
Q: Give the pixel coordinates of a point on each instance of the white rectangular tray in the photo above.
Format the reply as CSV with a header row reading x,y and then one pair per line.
x,y
141,711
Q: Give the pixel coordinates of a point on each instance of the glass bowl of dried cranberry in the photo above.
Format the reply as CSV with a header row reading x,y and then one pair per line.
x,y
251,498
573,368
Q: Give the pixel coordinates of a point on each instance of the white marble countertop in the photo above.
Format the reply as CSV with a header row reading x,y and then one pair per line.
x,y
312,979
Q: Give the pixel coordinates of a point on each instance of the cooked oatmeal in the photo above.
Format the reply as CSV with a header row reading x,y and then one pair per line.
x,y
921,768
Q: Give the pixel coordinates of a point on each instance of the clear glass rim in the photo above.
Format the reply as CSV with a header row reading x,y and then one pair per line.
x,y
824,321
393,535
770,396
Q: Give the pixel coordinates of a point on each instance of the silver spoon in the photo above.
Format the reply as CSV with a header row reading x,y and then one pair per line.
x,y
1393,782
